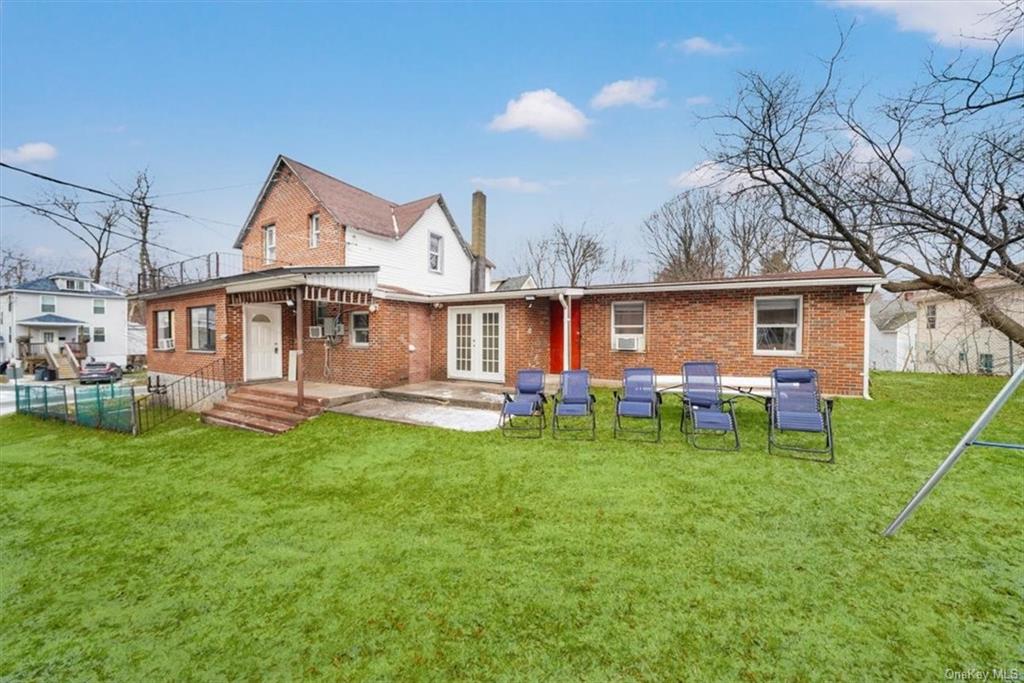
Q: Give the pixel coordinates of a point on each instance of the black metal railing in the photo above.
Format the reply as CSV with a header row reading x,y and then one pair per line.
x,y
164,402
210,266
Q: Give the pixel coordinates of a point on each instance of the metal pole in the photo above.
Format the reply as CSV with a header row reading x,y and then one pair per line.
x,y
299,388
969,438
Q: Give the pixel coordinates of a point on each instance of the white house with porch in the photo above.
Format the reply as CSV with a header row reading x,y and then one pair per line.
x,y
63,309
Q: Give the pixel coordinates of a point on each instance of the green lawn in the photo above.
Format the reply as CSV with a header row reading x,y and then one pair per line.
x,y
355,549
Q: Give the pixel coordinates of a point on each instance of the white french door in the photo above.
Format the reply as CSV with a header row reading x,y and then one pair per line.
x,y
476,343
262,341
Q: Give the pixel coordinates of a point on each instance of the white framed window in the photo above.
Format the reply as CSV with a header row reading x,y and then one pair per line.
x,y
435,253
931,315
99,306
164,322
629,326
314,230
778,323
202,328
99,334
269,244
75,285
48,337
360,325
48,303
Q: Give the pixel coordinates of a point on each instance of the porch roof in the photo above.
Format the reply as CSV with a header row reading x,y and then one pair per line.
x,y
50,320
354,278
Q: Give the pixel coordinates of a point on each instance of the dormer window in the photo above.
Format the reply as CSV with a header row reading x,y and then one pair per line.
x,y
73,285
435,253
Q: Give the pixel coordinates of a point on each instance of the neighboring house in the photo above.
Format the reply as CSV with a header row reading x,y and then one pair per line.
x,y
384,294
63,308
513,283
893,332
951,337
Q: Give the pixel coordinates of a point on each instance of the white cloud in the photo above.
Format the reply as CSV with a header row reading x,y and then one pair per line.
x,y
638,92
708,174
510,184
29,152
953,24
698,101
699,45
544,112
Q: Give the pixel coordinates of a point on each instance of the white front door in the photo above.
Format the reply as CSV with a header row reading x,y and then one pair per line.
x,y
262,341
476,343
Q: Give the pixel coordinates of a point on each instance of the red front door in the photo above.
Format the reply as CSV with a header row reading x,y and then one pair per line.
x,y
575,326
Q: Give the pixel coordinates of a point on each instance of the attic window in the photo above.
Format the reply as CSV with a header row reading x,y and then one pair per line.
x,y
269,244
314,230
75,285
435,253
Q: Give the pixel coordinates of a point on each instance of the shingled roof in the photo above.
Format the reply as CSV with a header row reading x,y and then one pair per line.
x,y
351,206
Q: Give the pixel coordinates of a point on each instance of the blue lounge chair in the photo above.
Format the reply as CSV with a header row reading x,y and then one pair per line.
x,y
797,406
574,400
527,405
704,408
640,400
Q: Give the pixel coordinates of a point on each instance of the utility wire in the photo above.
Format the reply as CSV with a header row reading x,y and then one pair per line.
x,y
133,238
111,195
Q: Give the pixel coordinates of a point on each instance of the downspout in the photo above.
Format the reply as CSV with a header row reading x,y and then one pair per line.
x,y
566,327
867,343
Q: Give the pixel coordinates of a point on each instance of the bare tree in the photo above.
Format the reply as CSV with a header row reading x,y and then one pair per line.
x,y
970,85
65,212
17,267
139,216
684,238
573,256
845,181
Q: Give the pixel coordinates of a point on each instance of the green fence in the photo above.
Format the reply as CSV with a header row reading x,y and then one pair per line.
x,y
48,402
109,407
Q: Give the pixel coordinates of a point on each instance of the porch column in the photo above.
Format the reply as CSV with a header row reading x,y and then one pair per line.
x,y
299,365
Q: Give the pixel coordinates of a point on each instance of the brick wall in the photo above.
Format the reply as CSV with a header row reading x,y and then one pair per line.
x,y
719,326
685,326
182,361
287,206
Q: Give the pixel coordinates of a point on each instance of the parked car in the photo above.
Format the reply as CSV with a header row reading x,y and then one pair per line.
x,y
100,372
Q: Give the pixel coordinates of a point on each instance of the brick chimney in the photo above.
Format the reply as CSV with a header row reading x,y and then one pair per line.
x,y
479,243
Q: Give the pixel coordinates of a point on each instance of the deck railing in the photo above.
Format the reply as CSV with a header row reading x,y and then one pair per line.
x,y
210,266
164,402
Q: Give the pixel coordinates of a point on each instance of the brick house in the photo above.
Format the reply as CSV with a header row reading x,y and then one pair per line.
x,y
382,294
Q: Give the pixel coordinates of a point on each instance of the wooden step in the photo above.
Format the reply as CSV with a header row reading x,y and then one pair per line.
x,y
258,423
273,412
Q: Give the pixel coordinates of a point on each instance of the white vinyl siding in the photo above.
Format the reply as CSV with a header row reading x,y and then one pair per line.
x,y
404,263
778,323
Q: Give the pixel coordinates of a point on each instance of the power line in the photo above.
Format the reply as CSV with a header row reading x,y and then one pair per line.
x,y
156,196
111,195
133,238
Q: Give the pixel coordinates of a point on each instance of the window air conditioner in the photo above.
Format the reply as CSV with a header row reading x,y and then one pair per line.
x,y
316,332
629,342
166,344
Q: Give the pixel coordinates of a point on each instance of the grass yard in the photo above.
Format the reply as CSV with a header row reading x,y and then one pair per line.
x,y
356,549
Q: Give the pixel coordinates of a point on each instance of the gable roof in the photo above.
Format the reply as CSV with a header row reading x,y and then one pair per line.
x,y
50,319
47,285
353,207
511,283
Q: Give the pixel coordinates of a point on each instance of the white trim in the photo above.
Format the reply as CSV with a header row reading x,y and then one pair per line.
x,y
643,335
476,322
313,219
440,252
865,371
271,230
246,315
799,326
352,329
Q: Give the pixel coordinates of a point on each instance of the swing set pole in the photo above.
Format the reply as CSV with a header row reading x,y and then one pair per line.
x,y
970,439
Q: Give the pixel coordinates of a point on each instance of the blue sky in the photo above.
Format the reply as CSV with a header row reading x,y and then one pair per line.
x,y
406,100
